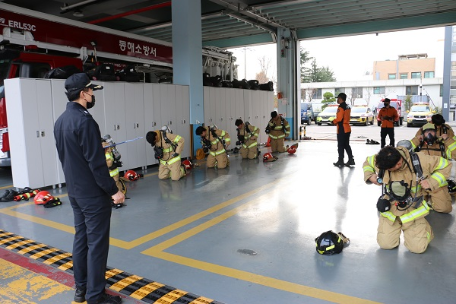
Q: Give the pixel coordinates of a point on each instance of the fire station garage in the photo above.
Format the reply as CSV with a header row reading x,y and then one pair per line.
x,y
229,205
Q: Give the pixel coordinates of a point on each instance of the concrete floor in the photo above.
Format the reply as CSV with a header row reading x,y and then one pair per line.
x,y
245,234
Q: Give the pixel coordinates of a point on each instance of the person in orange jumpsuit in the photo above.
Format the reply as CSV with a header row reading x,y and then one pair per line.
x,y
342,121
388,115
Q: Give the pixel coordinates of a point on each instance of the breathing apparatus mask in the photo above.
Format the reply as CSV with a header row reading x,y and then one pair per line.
x,y
115,153
430,138
399,192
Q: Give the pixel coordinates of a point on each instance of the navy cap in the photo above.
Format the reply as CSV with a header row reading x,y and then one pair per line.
x,y
78,82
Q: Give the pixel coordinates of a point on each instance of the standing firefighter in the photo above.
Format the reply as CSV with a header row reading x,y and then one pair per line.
x,y
404,177
247,138
215,142
167,148
277,129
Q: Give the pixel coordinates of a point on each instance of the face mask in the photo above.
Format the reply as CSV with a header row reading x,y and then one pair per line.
x,y
429,139
92,103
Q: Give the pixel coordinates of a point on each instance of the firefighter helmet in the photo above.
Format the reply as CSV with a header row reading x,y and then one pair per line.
x,y
43,197
132,175
329,243
187,164
291,150
268,157
200,154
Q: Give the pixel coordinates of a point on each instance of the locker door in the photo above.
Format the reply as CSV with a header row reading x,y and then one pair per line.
x,y
59,102
46,130
230,110
149,122
247,96
213,107
220,113
207,102
183,110
171,105
134,96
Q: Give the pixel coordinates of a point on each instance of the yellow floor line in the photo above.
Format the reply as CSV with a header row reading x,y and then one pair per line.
x,y
19,285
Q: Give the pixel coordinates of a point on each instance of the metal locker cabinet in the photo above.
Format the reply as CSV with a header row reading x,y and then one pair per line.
x,y
207,108
136,153
230,101
213,107
151,111
220,105
114,110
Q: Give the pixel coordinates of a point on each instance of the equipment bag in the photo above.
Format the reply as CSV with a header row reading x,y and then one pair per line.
x,y
103,72
62,72
129,74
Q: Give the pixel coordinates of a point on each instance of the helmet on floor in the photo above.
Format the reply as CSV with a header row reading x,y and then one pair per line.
x,y
42,198
268,157
187,164
329,243
291,150
132,175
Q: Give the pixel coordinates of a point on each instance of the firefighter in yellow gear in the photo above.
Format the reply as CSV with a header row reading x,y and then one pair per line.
x,y
215,142
247,138
402,206
442,130
277,129
167,148
113,168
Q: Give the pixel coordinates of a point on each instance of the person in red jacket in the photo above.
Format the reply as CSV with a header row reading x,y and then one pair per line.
x,y
388,115
343,132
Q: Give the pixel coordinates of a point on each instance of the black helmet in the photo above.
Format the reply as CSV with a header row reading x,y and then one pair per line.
x,y
437,119
329,243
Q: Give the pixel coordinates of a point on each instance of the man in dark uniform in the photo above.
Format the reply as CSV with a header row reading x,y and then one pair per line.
x,y
91,190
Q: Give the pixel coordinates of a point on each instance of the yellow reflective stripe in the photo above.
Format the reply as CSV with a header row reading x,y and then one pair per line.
x,y
227,139
371,160
442,164
108,156
167,150
214,142
272,136
370,166
178,137
171,161
416,189
450,150
388,215
439,178
278,128
411,216
281,136
413,145
114,172
217,152
330,247
253,145
287,127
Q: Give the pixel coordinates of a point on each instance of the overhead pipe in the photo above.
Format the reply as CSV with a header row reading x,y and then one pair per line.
x,y
133,12
67,8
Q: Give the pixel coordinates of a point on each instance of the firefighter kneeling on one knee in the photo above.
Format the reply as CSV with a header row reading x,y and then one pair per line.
x,y
277,129
114,163
405,178
167,148
215,142
247,139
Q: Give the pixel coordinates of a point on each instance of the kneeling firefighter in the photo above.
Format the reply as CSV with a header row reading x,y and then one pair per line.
x,y
113,161
215,142
167,147
405,177
247,138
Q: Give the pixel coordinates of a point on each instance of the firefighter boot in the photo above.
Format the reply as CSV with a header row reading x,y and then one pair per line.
x,y
351,162
340,163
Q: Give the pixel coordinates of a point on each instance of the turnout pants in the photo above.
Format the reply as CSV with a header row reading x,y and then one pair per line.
x,y
251,152
221,161
175,171
441,200
92,220
343,144
390,133
417,235
277,145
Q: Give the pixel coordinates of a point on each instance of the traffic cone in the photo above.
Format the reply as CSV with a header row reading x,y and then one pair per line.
x,y
268,143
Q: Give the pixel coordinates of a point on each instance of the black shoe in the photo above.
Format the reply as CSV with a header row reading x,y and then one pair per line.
x,y
108,299
351,162
79,295
8,196
340,164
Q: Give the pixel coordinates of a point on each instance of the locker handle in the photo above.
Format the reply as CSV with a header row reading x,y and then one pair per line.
x,y
43,134
137,126
154,124
37,133
183,121
170,123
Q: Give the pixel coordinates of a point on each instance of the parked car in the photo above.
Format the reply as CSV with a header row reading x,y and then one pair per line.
x,y
316,109
362,116
306,113
419,115
327,115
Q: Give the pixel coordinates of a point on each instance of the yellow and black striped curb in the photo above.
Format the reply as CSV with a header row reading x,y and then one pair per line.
x,y
123,282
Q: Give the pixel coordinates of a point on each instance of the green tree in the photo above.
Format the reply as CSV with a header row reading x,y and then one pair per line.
x,y
328,98
314,73
408,102
304,59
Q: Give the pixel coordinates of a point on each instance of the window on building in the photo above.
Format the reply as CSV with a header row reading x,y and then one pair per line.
x,y
317,94
416,75
379,90
339,90
441,90
411,90
428,74
391,76
403,76
357,92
